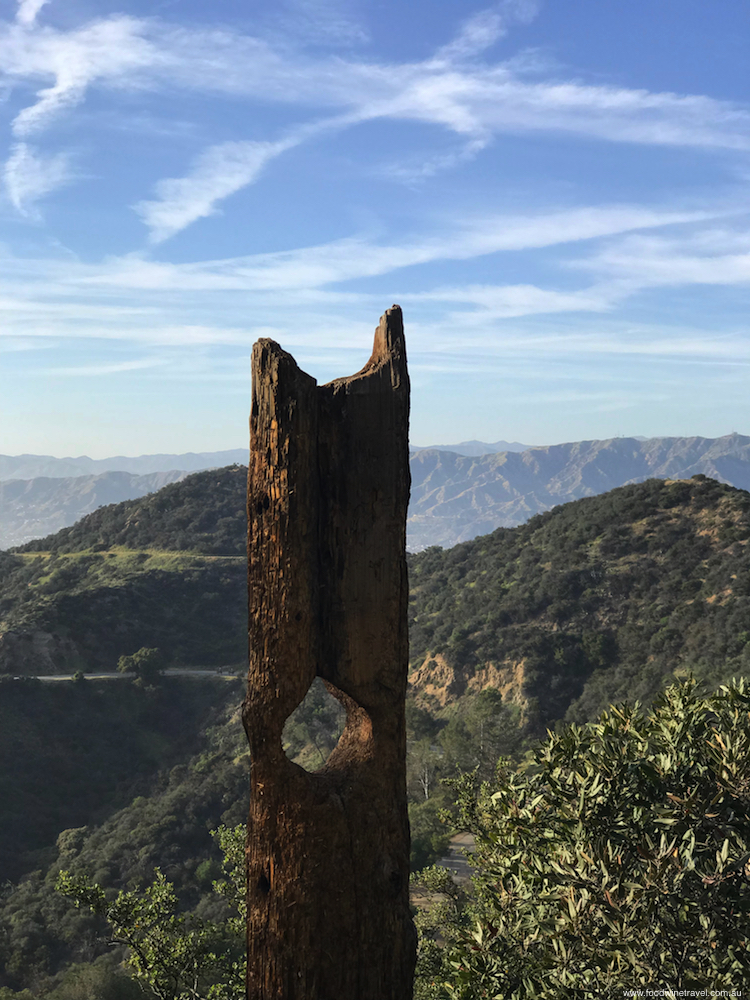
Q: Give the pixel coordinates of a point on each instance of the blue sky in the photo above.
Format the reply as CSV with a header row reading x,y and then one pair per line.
x,y
555,192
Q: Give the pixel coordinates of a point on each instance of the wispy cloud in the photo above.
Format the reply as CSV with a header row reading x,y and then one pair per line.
x,y
623,264
456,89
219,172
486,27
172,306
360,257
491,302
415,170
709,257
453,89
112,50
28,10
141,301
468,97
29,176
17,345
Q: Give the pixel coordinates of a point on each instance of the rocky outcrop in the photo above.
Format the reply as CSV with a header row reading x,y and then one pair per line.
x,y
435,683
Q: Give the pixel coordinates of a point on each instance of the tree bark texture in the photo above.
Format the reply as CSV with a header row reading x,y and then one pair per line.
x,y
328,852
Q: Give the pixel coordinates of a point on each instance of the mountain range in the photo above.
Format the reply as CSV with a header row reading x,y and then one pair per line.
x,y
455,496
34,466
599,600
473,447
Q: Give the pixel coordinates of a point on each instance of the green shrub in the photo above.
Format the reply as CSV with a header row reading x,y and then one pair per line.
x,y
147,665
176,955
617,858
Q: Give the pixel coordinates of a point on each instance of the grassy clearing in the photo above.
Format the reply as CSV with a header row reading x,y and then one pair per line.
x,y
96,569
120,552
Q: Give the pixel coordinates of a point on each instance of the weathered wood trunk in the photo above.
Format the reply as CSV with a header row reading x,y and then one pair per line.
x,y
328,853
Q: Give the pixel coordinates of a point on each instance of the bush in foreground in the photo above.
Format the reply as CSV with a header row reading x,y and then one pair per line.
x,y
175,955
618,858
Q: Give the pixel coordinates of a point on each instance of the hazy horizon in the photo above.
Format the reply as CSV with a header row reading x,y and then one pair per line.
x,y
415,446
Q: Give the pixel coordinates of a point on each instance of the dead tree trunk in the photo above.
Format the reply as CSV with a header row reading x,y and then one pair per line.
x,y
328,853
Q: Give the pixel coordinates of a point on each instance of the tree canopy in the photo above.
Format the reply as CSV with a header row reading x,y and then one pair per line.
x,y
146,664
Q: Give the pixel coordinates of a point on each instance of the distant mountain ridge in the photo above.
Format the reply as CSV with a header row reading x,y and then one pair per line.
x,y
34,466
454,497
473,447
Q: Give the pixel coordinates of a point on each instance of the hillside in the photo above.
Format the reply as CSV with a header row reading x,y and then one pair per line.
x,y
182,771
598,600
74,753
156,771
32,508
204,513
167,570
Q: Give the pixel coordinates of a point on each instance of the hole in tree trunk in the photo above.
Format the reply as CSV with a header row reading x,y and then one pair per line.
x,y
313,729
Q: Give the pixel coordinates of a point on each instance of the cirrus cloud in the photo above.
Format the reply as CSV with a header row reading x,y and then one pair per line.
x,y
217,173
30,175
